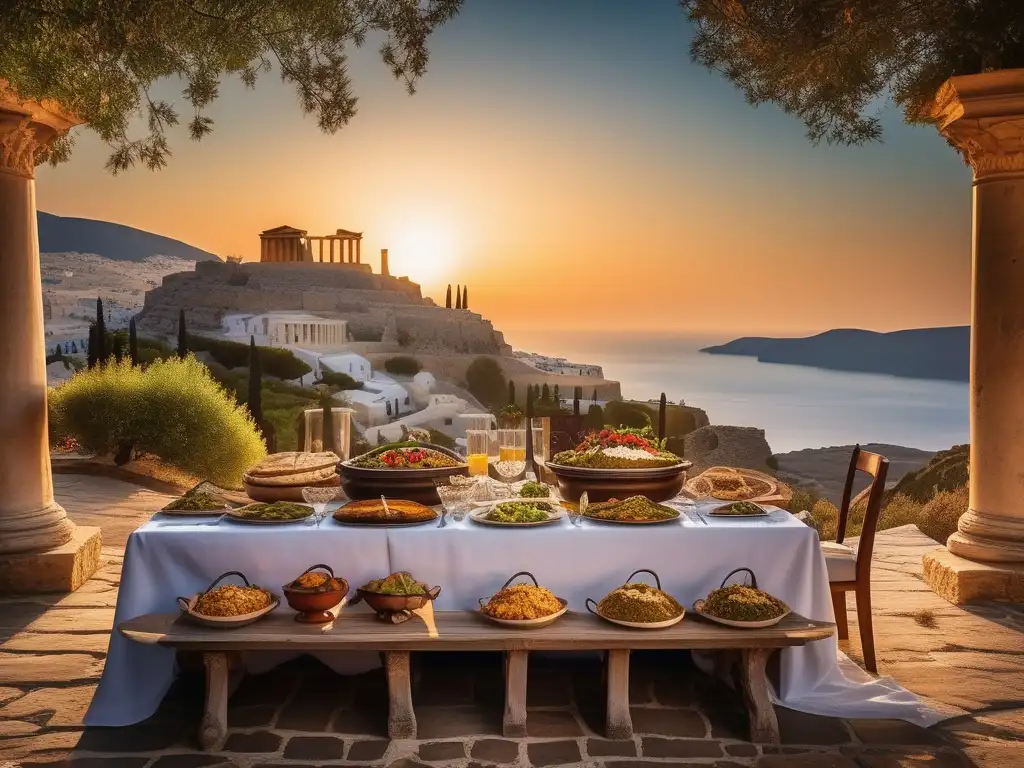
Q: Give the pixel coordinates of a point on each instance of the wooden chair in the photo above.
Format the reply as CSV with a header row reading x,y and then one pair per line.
x,y
849,570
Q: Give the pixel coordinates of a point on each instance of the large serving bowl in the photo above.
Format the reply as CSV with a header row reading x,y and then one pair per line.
x,y
386,603
413,484
656,483
314,603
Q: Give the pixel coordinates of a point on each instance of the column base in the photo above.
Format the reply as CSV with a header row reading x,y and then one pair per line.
x,y
61,569
988,538
962,581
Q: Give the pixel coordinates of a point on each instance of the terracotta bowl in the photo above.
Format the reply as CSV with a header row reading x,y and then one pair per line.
x,y
657,483
412,484
382,603
313,605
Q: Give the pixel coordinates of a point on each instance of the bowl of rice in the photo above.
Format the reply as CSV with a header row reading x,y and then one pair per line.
x,y
229,605
638,605
523,606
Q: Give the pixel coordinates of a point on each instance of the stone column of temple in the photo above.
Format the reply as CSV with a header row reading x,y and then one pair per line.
x,y
983,115
359,255
40,549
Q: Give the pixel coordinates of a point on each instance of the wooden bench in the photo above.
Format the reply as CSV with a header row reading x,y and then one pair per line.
x,y
467,631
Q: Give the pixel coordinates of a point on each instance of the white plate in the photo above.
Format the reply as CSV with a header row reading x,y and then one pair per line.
x,y
738,624
543,621
479,516
716,513
636,624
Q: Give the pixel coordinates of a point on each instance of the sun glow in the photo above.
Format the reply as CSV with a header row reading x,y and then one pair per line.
x,y
426,251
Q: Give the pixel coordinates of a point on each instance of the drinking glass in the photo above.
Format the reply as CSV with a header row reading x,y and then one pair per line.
x,y
477,446
511,455
454,498
540,452
318,498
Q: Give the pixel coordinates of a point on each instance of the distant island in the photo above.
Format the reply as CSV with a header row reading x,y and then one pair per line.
x,y
66,234
922,353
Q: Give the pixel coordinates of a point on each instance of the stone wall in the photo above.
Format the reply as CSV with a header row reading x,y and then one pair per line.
x,y
351,292
724,446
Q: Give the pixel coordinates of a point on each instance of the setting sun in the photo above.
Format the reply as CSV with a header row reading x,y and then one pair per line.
x,y
425,250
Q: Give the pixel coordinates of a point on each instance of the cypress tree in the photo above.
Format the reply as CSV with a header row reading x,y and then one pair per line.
x,y
556,396
458,297
182,337
74,348
594,398
328,423
465,297
536,392
662,416
576,392
58,353
545,394
255,384
91,357
448,298
100,342
511,392
118,348
133,343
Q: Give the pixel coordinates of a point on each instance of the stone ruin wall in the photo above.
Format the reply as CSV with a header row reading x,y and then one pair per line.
x,y
364,299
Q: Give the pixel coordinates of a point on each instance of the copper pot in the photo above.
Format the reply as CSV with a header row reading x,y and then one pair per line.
x,y
314,604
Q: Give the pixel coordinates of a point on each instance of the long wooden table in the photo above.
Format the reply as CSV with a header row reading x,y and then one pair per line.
x,y
468,631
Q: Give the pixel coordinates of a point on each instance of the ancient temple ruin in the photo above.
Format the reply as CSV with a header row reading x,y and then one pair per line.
x,y
288,244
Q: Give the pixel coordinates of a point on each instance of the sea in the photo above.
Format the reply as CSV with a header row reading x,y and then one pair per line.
x,y
797,406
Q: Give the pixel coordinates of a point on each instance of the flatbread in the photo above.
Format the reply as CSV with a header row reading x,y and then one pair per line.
x,y
302,478
372,511
293,463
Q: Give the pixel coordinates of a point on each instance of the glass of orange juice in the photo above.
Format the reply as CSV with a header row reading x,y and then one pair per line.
x,y
477,444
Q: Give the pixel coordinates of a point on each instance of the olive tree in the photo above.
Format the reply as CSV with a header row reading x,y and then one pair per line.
x,y
100,58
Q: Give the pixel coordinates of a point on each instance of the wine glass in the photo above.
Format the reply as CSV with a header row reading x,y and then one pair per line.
x,y
511,455
319,498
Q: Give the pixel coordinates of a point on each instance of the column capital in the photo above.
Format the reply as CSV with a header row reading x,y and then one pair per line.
x,y
983,117
27,131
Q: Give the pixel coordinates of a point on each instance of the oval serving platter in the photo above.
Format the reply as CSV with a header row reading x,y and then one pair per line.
x,y
698,609
480,516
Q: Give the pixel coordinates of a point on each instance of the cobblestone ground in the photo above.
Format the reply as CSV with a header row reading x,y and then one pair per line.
x,y
52,651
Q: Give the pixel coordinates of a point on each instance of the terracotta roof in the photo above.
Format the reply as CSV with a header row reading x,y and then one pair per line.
x,y
283,230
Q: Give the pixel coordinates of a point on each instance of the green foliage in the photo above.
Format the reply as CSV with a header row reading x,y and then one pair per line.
x,y
829,61
172,409
402,365
937,518
274,361
945,471
545,394
255,400
133,343
620,413
182,335
99,59
102,350
594,418
338,380
486,382
511,392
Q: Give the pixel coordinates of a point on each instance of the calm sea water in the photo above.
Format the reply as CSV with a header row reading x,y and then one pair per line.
x,y
798,407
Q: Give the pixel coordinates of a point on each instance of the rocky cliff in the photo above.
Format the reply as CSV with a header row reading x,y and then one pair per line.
x,y
724,446
351,292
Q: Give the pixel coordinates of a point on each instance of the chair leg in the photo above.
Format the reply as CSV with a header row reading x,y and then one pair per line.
x,y
867,636
839,606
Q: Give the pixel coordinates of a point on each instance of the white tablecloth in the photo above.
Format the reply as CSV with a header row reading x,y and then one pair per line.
x,y
167,558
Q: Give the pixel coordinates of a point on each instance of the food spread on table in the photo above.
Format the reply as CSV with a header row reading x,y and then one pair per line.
x,y
739,509
728,485
740,602
374,512
278,511
534,490
401,583
623,448
639,603
520,512
522,602
233,600
196,501
635,509
404,456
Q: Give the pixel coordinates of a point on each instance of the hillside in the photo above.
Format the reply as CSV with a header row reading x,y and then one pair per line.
x,y
923,353
63,234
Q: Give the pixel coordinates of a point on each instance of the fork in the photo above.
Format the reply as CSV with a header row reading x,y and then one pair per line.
x,y
444,515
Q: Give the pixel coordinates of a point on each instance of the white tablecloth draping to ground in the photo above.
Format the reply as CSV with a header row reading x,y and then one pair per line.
x,y
470,561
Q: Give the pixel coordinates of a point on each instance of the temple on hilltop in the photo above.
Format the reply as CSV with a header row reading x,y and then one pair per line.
x,y
288,244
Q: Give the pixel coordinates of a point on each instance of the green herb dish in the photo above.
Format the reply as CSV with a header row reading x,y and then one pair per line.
x,y
196,501
739,509
401,583
635,509
534,490
742,603
638,605
277,512
520,512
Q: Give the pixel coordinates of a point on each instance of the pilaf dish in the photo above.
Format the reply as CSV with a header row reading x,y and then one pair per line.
x,y
522,602
232,600
639,603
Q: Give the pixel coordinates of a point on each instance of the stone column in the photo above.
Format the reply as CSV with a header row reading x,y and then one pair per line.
x,y
40,549
983,116
359,255
331,247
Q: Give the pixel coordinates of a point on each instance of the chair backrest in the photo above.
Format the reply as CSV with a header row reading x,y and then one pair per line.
x,y
877,466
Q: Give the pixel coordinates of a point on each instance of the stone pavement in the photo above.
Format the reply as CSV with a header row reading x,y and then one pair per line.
x,y
52,650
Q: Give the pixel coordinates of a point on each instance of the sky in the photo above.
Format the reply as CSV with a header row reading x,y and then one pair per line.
x,y
571,165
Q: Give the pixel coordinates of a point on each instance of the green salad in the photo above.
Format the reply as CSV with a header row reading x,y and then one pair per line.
x,y
534,490
196,501
740,509
519,512
279,510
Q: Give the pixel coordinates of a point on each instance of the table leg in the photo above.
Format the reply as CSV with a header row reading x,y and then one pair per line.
x,y
401,717
513,723
618,724
213,729
764,726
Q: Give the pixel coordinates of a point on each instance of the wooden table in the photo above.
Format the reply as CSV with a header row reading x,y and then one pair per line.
x,y
468,631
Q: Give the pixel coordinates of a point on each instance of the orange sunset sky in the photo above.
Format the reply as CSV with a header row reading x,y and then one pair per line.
x,y
576,171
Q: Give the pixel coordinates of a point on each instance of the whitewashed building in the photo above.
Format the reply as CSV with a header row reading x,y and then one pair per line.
x,y
287,329
356,366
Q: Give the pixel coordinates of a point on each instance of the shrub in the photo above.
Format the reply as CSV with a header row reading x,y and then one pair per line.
x,y
402,365
622,414
901,510
486,382
594,418
173,409
940,515
274,361
339,380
